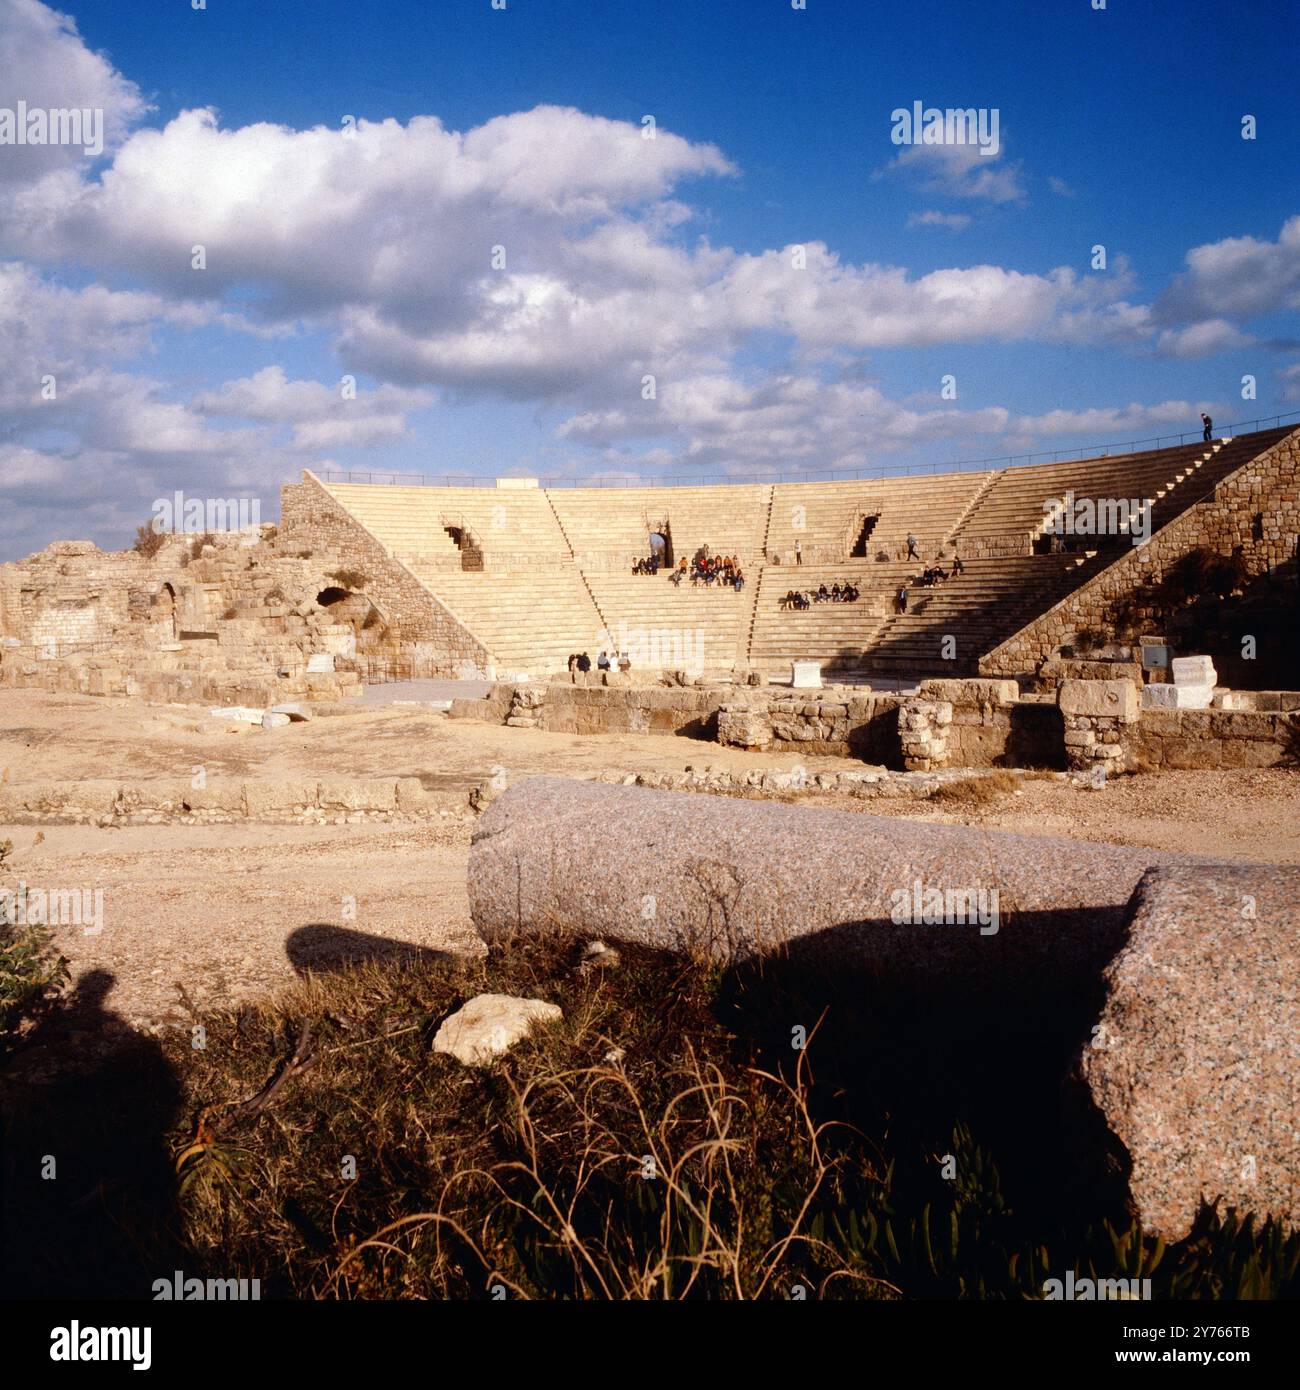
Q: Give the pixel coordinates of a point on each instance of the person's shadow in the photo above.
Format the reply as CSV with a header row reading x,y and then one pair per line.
x,y
86,1183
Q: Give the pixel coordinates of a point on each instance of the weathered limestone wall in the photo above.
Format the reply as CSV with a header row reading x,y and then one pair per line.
x,y
560,707
235,623
1214,738
437,643
1257,508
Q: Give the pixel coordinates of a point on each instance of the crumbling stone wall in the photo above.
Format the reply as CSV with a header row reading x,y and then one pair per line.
x,y
435,641
1255,509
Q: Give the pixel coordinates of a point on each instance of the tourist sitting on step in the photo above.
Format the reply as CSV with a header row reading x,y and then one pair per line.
x,y
850,593
677,576
602,662
957,566
738,580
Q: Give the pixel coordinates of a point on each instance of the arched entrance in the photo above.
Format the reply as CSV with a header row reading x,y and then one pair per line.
x,y
165,611
661,544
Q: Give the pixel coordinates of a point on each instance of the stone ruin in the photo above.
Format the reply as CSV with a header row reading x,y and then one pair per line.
x,y
1173,982
235,618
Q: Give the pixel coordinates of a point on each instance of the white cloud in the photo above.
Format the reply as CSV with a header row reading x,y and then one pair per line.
x,y
959,171
322,416
1202,339
45,63
1237,278
953,221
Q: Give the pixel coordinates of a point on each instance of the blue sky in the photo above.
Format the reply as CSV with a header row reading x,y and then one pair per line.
x,y
369,253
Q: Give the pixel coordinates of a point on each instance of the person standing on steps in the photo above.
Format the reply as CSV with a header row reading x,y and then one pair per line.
x,y
1209,427
912,552
798,552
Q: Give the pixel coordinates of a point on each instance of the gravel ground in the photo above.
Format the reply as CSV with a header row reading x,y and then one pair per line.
x,y
222,913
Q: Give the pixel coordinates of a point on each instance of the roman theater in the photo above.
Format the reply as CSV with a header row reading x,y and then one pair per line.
x,y
732,720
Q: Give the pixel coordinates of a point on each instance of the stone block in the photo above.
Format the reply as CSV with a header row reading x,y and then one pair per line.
x,y
1113,699
806,675
1197,1072
1161,696
730,879
1194,670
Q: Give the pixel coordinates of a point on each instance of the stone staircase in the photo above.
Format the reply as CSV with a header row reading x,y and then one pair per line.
x,y
947,628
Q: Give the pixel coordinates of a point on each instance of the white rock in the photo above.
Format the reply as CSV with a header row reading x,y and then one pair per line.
x,y
1194,670
806,675
320,661
241,713
489,1025
272,720
1160,696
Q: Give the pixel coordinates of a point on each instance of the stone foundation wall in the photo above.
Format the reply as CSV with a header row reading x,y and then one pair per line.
x,y
431,636
559,707
1255,509
335,802
1213,738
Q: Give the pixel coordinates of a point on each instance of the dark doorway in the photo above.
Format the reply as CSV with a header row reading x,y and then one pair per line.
x,y
866,526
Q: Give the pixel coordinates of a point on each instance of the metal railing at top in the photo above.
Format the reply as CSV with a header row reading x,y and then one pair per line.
x,y
812,475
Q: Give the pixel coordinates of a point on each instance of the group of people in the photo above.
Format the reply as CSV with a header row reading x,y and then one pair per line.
x,y
929,577
711,569
651,565
837,593
606,661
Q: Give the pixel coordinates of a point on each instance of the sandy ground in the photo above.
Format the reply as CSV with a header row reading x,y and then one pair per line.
x,y
195,916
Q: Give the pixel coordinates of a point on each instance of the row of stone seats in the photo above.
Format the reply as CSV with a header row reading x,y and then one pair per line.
x,y
1016,502
530,620
675,626
509,528
825,518
994,597
609,528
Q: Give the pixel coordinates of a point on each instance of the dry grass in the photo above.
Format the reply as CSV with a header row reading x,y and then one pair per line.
x,y
987,789
663,1142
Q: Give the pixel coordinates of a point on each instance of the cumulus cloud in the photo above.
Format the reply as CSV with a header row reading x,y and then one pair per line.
x,y
322,416
45,64
1202,339
959,171
1236,279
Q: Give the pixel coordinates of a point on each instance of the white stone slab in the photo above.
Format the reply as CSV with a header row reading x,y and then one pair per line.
x,y
320,661
241,714
806,675
1194,670
1160,696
